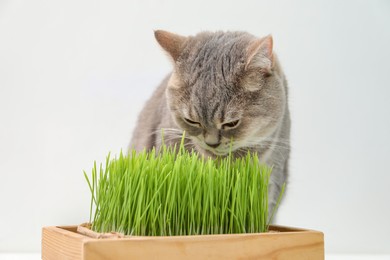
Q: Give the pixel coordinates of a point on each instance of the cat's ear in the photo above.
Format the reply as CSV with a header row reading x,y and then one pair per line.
x,y
170,42
259,54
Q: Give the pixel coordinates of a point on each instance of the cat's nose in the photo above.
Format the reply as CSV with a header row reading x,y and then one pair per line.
x,y
214,145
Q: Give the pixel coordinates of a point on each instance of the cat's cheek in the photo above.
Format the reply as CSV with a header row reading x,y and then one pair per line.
x,y
232,135
190,131
266,128
193,132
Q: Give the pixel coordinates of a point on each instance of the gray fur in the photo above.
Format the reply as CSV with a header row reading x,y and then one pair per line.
x,y
216,81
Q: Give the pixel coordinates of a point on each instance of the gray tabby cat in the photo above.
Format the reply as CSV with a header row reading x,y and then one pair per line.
x,y
224,86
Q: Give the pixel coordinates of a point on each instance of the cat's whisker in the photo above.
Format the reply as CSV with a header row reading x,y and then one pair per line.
x,y
278,160
269,143
281,141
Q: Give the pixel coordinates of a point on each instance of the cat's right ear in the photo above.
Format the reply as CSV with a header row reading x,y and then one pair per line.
x,y
170,42
260,54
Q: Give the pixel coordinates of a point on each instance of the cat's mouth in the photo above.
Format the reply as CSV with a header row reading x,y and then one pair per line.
x,y
218,152
213,151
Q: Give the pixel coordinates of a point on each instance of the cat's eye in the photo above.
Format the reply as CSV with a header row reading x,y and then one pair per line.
x,y
231,124
194,123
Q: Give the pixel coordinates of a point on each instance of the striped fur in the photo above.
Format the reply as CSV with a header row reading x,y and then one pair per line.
x,y
226,91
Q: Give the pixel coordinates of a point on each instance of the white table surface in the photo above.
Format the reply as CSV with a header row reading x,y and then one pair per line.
x,y
37,256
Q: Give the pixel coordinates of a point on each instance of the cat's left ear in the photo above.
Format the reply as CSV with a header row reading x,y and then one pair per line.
x,y
170,42
259,54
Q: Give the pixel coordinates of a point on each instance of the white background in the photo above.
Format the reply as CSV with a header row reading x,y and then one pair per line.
x,y
74,76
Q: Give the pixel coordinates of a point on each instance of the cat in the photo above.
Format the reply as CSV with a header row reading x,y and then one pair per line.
x,y
227,92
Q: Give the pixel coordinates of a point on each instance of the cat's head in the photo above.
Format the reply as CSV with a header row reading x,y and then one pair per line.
x,y
226,90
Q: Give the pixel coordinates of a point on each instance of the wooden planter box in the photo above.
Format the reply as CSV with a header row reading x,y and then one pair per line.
x,y
281,243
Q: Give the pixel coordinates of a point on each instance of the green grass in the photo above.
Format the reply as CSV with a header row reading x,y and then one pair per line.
x,y
173,192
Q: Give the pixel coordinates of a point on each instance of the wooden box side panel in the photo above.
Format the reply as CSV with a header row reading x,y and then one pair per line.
x,y
288,246
60,243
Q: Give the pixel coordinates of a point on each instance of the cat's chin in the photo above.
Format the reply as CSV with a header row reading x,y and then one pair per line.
x,y
219,153
210,153
214,154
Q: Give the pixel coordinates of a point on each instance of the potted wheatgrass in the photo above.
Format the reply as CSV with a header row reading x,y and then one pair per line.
x,y
175,204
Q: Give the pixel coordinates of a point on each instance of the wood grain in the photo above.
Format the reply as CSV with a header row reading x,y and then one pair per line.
x,y
287,243
62,243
